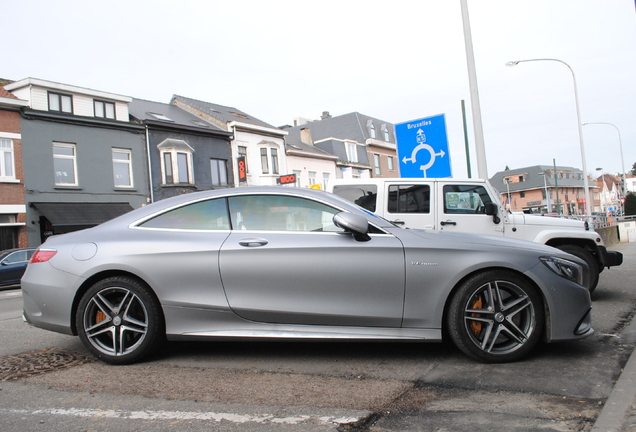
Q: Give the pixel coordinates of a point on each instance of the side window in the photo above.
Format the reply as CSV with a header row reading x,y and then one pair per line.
x,y
19,256
465,199
280,213
208,215
363,195
409,199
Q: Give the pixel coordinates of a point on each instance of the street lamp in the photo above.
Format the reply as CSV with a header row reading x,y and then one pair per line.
x,y
579,124
620,146
509,200
602,187
545,186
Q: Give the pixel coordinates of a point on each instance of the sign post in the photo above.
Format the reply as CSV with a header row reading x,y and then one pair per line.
x,y
422,148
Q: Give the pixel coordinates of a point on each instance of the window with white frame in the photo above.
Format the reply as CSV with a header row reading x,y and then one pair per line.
x,y
264,161
60,102
297,174
391,163
274,155
352,151
65,164
371,128
242,152
269,160
385,132
176,157
325,180
7,161
376,164
218,168
104,109
122,167
312,177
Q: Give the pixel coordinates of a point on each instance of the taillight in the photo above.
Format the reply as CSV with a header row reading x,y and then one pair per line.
x,y
43,255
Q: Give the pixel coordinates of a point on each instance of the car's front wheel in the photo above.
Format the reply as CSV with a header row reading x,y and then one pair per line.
x,y
496,316
119,320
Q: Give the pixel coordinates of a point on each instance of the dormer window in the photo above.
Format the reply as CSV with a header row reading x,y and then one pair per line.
x,y
371,128
385,132
60,102
104,109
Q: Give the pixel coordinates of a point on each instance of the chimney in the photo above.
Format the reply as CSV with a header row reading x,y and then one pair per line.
x,y
325,115
305,136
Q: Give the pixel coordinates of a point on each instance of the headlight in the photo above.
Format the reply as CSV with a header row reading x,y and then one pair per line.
x,y
564,268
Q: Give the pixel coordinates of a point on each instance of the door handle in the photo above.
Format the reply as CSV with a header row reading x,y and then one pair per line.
x,y
442,223
398,222
253,242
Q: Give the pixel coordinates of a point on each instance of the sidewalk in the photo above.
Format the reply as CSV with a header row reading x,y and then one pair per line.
x,y
619,412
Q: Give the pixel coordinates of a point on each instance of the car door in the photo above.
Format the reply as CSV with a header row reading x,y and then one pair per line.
x,y
463,209
285,262
13,266
409,205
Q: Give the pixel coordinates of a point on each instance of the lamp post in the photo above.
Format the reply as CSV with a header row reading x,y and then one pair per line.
x,y
579,124
547,197
509,200
602,188
620,146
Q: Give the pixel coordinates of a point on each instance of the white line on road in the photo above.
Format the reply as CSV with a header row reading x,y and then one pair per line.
x,y
184,415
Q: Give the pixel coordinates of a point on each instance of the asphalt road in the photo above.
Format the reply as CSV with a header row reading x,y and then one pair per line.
x,y
300,386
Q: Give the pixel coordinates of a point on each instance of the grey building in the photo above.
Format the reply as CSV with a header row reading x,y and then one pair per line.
x,y
83,161
365,146
185,152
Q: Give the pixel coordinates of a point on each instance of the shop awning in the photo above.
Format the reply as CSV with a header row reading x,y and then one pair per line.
x,y
80,214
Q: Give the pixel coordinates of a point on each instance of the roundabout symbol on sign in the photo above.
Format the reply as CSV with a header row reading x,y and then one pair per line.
x,y
421,139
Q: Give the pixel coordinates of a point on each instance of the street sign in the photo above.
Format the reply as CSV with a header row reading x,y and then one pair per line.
x,y
286,179
422,148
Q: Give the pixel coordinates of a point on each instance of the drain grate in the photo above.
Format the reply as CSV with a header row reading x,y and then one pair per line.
x,y
36,362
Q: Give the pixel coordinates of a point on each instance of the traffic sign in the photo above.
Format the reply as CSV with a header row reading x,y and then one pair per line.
x,y
422,148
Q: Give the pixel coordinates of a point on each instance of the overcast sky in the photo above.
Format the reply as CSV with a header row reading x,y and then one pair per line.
x,y
395,60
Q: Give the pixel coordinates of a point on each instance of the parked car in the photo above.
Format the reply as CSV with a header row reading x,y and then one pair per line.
x,y
13,263
284,262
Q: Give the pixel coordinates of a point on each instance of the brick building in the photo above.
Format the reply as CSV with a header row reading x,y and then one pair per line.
x,y
12,206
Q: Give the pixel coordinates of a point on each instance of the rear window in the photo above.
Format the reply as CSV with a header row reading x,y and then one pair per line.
x,y
363,195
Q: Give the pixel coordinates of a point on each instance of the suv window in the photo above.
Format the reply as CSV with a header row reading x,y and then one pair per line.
x,y
363,195
409,199
465,199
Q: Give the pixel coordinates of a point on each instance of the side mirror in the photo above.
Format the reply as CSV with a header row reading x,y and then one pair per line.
x,y
355,224
493,210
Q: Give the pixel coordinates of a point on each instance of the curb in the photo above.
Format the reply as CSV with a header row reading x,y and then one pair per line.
x,y
622,400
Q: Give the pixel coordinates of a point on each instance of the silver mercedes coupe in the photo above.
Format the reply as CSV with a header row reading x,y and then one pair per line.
x,y
285,262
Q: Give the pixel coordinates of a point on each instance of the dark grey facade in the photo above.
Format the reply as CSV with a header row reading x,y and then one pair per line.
x,y
173,132
93,194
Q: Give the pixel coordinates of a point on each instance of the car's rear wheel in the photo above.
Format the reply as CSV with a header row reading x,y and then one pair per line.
x,y
496,316
119,320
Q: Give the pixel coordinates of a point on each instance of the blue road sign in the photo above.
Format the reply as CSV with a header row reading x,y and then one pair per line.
x,y
422,148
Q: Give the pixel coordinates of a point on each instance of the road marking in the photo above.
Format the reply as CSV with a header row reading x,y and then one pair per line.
x,y
185,415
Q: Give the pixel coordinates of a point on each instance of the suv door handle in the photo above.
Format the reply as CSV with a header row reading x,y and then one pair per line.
x,y
398,222
442,223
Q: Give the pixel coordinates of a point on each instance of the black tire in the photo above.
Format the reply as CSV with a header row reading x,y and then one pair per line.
x,y
590,279
496,317
120,321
